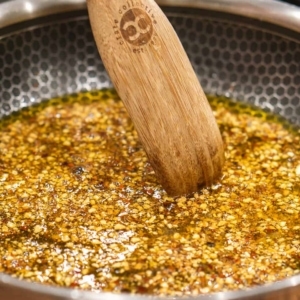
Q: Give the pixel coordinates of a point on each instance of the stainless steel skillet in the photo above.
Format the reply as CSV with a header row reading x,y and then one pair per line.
x,y
246,50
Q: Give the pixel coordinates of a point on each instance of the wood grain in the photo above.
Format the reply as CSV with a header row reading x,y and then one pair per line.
x,y
154,78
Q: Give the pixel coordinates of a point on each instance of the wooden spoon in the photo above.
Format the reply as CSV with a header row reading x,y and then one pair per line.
x,y
161,92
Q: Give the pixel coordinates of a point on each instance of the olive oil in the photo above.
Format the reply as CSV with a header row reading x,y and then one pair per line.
x,y
80,205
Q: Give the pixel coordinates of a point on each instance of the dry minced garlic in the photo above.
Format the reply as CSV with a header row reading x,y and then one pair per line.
x,y
80,205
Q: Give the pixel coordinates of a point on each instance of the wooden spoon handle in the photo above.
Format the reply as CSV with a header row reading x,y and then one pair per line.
x,y
154,78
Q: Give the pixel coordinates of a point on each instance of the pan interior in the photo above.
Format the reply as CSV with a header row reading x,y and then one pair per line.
x,y
231,58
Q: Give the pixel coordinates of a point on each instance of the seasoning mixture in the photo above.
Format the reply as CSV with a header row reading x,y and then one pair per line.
x,y
80,205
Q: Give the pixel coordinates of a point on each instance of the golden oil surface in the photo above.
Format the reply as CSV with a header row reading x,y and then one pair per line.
x,y
80,205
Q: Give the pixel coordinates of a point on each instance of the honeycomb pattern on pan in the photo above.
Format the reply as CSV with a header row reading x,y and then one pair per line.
x,y
230,59
46,62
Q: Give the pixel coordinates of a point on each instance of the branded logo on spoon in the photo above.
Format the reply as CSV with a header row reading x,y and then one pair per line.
x,y
136,27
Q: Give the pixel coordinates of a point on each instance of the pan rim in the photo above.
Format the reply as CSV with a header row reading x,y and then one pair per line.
x,y
285,15
282,14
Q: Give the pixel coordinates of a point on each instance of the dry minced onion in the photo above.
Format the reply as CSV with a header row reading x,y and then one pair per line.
x,y
80,205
